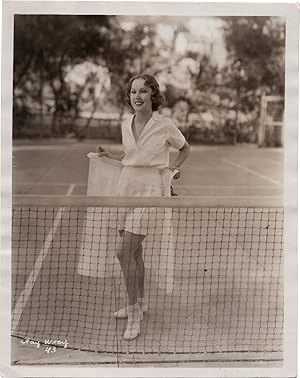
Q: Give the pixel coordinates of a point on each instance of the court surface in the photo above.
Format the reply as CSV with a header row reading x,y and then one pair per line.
x,y
241,171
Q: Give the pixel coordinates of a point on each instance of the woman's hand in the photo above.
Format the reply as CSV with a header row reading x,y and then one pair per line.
x,y
183,154
176,173
101,152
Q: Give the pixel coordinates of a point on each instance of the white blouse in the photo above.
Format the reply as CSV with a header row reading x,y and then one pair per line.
x,y
152,147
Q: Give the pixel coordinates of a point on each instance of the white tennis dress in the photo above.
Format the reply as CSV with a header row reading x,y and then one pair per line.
x,y
145,168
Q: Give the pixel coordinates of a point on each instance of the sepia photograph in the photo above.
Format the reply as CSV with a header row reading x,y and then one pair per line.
x,y
148,177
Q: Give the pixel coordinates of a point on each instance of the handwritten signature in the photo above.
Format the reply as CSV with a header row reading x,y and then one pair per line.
x,y
49,343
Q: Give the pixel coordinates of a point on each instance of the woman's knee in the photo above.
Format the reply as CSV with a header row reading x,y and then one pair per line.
x,y
138,255
125,248
121,253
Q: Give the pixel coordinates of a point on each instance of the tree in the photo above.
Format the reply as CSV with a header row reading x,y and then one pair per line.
x,y
45,45
45,48
258,44
255,48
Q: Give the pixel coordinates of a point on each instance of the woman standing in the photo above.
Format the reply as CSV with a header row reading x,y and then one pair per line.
x,y
146,138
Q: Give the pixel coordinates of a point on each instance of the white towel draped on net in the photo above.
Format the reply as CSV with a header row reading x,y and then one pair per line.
x,y
99,232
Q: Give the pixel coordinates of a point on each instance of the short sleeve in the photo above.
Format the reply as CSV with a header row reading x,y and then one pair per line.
x,y
175,136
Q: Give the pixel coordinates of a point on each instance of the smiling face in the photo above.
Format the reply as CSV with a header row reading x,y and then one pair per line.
x,y
140,96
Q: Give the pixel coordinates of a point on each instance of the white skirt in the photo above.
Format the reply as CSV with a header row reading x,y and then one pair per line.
x,y
143,182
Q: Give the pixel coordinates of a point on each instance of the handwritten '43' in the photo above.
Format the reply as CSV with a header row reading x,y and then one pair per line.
x,y
50,349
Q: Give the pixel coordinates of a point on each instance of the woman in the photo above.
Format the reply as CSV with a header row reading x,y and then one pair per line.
x,y
146,138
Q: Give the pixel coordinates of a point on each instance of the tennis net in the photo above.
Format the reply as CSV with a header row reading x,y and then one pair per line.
x,y
213,276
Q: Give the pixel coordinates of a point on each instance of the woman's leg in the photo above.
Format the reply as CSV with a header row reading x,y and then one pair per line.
x,y
126,252
140,271
127,247
139,286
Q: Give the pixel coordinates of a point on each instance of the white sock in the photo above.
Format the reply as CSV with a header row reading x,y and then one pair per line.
x,y
142,303
133,311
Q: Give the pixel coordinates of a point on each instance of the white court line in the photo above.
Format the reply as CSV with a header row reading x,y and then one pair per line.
x,y
23,298
63,147
251,171
39,148
70,190
273,161
52,183
178,185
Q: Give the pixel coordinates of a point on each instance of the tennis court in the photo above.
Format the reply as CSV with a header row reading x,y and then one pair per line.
x,y
243,170
215,288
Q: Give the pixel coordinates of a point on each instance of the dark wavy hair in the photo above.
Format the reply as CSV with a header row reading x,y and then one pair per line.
x,y
156,97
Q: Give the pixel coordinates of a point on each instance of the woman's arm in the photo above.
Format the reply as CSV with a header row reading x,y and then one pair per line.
x,y
182,156
101,152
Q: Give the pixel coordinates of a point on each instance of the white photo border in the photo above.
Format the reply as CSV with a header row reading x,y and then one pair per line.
x,y
291,15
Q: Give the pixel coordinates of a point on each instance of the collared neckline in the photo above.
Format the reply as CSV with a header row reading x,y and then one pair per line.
x,y
146,127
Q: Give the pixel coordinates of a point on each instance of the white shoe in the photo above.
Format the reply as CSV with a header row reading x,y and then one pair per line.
x,y
123,313
135,315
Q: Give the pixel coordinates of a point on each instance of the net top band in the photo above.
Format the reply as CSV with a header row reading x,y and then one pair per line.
x,y
163,202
